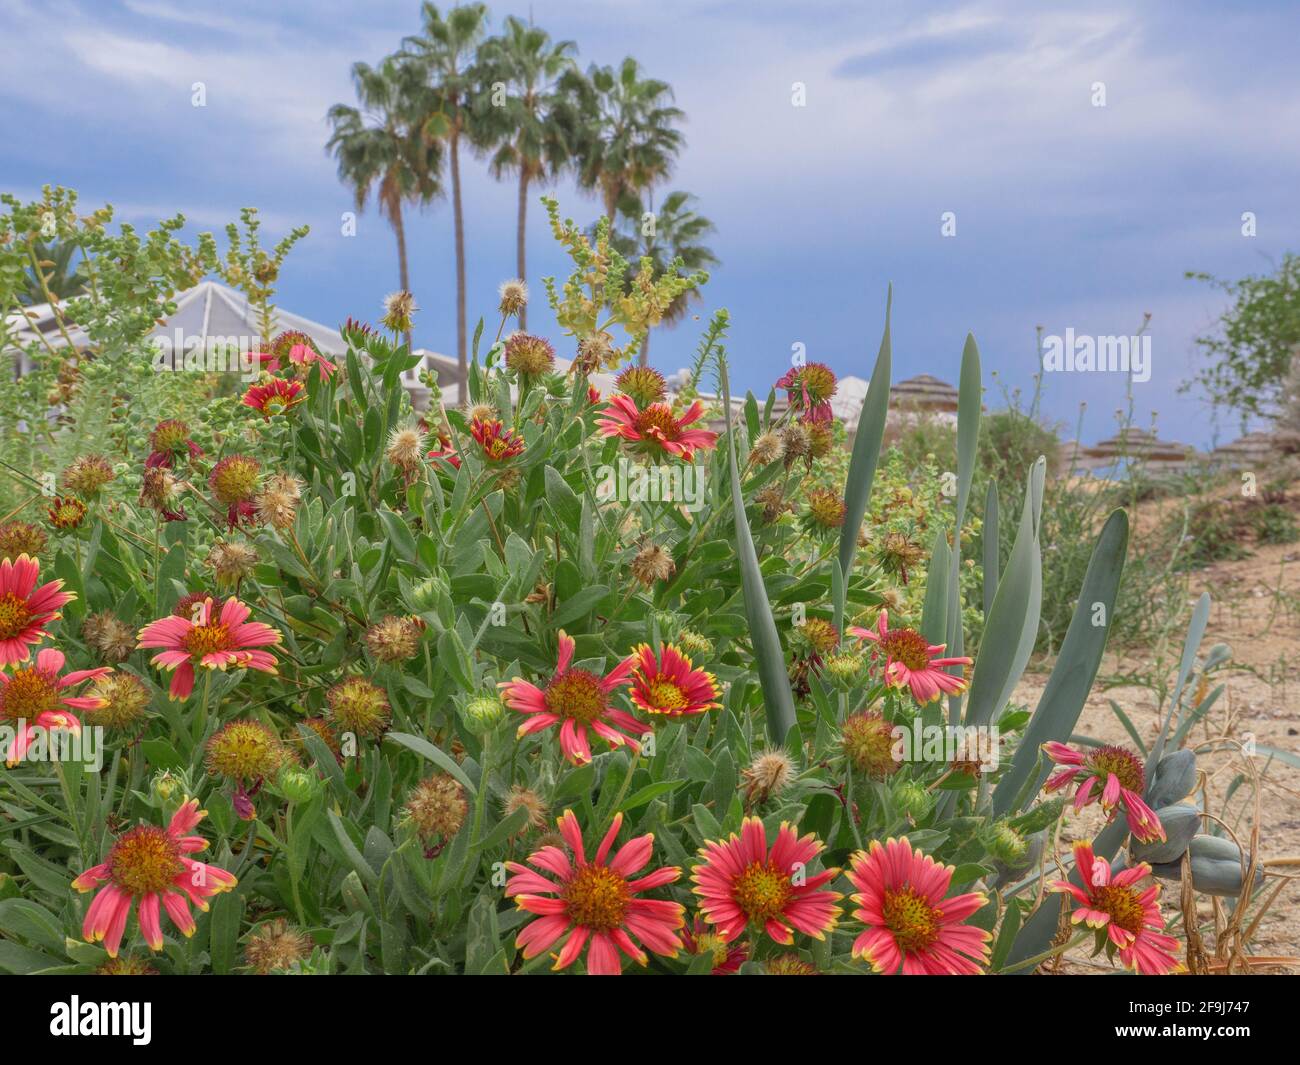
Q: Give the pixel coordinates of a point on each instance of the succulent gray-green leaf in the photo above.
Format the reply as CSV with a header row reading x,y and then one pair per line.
x,y
1180,824
1173,779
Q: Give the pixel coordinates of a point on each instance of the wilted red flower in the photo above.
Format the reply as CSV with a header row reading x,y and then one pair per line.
x,y
656,430
168,441
914,662
1111,776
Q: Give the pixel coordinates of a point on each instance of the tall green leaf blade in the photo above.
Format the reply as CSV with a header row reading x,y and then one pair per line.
x,y
772,675
989,534
866,449
1076,667
1012,623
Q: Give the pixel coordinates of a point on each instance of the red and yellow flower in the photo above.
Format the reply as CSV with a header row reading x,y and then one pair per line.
x,y
909,922
33,698
742,882
1131,918
655,430
276,396
667,683
499,444
576,700
913,662
699,938
210,640
25,609
1111,776
151,866
596,902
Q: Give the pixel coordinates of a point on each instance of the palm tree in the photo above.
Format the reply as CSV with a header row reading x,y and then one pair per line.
x,y
630,139
382,146
673,241
445,49
58,275
532,127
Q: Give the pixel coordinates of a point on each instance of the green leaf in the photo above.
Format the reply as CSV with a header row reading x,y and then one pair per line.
x,y
427,750
866,449
777,698
1076,668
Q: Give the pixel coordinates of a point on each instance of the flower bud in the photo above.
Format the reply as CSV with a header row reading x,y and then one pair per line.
x,y
912,800
481,714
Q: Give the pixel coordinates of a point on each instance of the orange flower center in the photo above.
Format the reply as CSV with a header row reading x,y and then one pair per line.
x,y
205,639
14,615
657,420
596,898
910,918
234,479
666,695
908,647
145,860
29,692
762,891
1123,906
1123,763
576,694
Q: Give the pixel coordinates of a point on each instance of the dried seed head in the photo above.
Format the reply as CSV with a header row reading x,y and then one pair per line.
x,y
767,449
399,311
393,639
868,743
125,701
652,564
87,475
406,446
514,297
436,808
644,384
110,638
21,538
159,489
773,502
277,502
359,706
520,797
529,355
798,442
276,947
231,562
826,509
768,775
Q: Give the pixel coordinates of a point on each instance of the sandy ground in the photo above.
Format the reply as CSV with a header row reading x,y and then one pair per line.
x,y
1256,611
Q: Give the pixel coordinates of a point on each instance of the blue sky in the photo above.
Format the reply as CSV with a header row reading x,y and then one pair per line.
x,y
1068,215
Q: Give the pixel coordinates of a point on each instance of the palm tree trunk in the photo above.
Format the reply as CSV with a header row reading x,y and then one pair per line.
x,y
520,239
462,362
403,273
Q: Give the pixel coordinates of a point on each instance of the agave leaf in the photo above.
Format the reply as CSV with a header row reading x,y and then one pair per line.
x,y
1076,667
777,699
968,432
866,449
1012,622
1195,634
938,589
989,534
